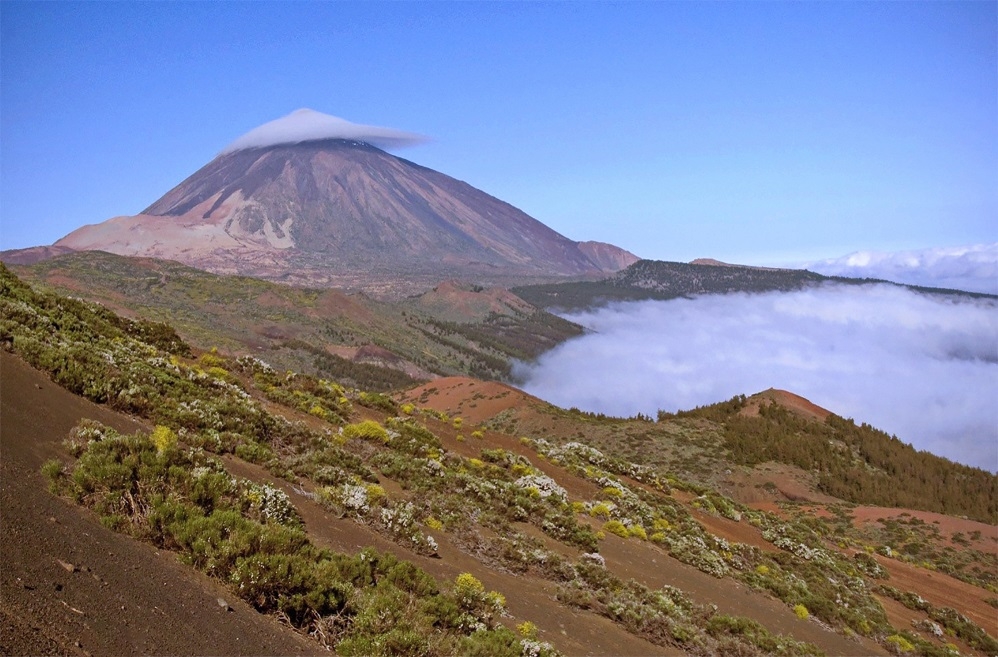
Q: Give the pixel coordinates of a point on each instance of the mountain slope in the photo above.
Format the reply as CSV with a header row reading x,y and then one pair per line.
x,y
374,344
102,601
601,554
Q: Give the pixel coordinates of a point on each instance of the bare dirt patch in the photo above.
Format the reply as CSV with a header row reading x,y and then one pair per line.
x,y
788,400
334,303
738,532
473,400
978,535
943,591
901,617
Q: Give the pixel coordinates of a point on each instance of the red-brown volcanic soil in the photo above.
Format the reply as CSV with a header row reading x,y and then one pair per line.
x,y
947,525
788,400
122,596
943,591
736,532
474,401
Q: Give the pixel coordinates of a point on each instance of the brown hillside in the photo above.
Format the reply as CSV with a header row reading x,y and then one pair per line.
x,y
82,609
455,301
32,254
474,400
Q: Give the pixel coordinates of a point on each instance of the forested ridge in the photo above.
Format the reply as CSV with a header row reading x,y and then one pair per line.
x,y
660,280
857,463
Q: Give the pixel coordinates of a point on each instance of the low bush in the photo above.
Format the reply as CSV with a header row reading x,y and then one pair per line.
x,y
616,527
366,430
249,536
667,617
898,644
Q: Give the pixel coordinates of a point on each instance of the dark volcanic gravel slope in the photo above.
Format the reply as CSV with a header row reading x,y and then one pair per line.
x,y
70,586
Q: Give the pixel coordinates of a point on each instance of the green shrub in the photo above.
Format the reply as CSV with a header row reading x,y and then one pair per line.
x,y
410,578
378,400
211,358
53,470
527,630
468,588
616,527
254,452
163,438
366,430
411,437
499,642
898,644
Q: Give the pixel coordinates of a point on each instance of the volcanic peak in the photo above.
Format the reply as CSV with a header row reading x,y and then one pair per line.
x,y
313,199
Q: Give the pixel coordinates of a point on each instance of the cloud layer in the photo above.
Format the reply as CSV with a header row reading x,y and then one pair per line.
x,y
921,367
309,125
970,268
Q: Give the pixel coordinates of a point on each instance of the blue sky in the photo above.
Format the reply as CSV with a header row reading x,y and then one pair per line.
x,y
760,133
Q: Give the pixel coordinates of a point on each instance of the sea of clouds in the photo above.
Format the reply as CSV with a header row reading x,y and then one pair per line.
x,y
970,268
921,367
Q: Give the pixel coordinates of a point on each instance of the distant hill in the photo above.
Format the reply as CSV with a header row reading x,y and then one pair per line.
x,y
33,254
653,279
857,463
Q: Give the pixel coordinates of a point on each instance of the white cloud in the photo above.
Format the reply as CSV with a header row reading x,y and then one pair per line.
x,y
924,368
970,268
309,125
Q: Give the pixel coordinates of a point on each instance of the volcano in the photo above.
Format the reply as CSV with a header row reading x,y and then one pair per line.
x,y
341,211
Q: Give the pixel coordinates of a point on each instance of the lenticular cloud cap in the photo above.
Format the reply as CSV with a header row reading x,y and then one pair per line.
x,y
308,125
